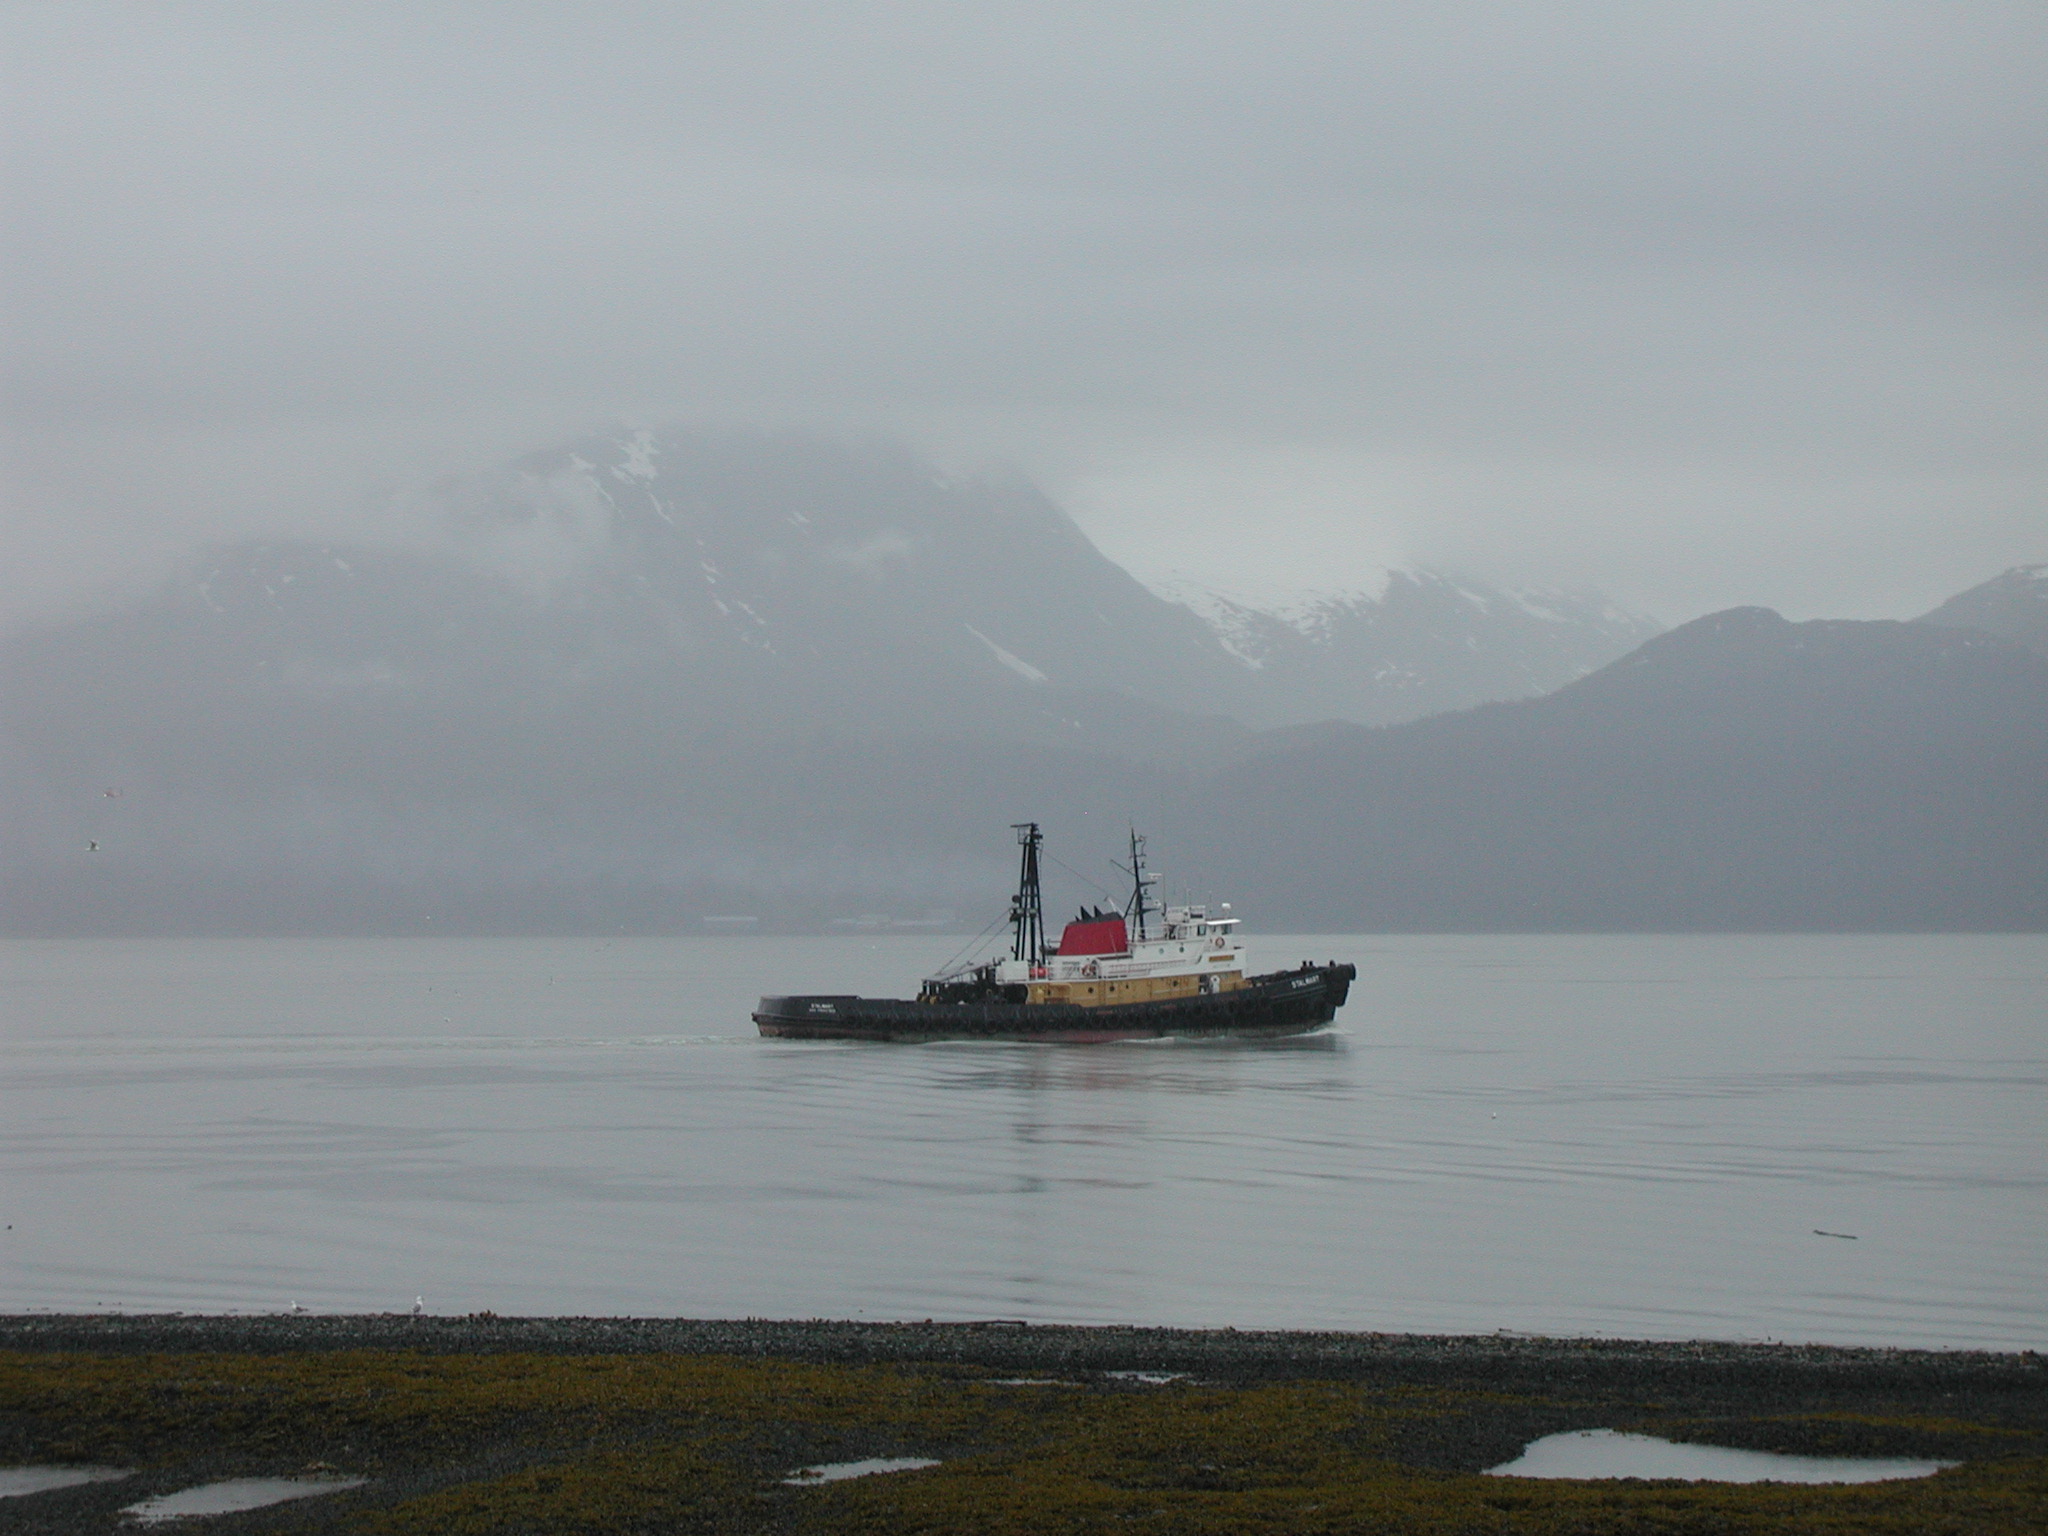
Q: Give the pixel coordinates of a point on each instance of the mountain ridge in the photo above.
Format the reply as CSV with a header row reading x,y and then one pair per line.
x,y
1738,772
646,678
1419,642
2012,605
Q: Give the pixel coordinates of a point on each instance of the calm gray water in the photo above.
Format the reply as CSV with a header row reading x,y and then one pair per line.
x,y
1617,1135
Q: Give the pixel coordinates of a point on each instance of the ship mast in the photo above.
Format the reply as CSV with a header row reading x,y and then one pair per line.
x,y
1027,910
1141,900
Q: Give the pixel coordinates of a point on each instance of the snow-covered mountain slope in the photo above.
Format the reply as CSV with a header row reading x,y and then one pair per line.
x,y
2012,605
841,575
783,582
1414,643
737,584
618,685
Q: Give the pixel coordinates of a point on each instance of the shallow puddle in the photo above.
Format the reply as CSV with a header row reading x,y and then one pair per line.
x,y
1147,1378
835,1471
236,1494
16,1481
1589,1453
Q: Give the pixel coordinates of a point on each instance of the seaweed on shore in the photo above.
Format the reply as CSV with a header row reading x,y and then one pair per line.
x,y
569,1444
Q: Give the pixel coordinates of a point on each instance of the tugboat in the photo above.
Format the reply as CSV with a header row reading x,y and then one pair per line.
x,y
1146,972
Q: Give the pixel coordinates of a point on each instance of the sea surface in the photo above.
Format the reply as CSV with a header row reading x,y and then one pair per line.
x,y
1839,1139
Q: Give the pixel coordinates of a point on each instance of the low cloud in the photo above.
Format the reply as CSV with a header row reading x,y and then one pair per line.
x,y
1709,304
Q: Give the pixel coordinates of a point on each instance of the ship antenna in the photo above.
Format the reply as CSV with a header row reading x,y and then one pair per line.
x,y
1027,910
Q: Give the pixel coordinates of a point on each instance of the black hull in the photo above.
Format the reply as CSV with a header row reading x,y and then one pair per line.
x,y
1284,1003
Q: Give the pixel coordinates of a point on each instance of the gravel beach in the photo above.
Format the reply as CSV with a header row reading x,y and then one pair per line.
x,y
1228,1355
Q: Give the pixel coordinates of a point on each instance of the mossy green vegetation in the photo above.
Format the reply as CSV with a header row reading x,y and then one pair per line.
x,y
552,1444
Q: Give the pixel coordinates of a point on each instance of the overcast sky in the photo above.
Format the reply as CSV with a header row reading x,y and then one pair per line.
x,y
1699,304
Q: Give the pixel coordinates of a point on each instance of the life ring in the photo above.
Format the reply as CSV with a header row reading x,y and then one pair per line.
x,y
1090,969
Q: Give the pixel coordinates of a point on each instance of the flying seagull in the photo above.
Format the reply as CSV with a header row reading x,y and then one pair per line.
x,y
91,846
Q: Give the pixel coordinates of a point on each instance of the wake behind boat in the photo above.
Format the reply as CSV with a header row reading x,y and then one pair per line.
x,y
1144,973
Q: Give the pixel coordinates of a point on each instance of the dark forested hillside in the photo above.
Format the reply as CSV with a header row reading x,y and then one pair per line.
x,y
2012,605
1741,772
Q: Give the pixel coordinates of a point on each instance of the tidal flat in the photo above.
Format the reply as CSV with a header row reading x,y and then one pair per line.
x,y
585,1425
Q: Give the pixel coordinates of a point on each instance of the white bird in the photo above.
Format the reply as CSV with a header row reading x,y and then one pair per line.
x,y
419,1305
91,847
296,1309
